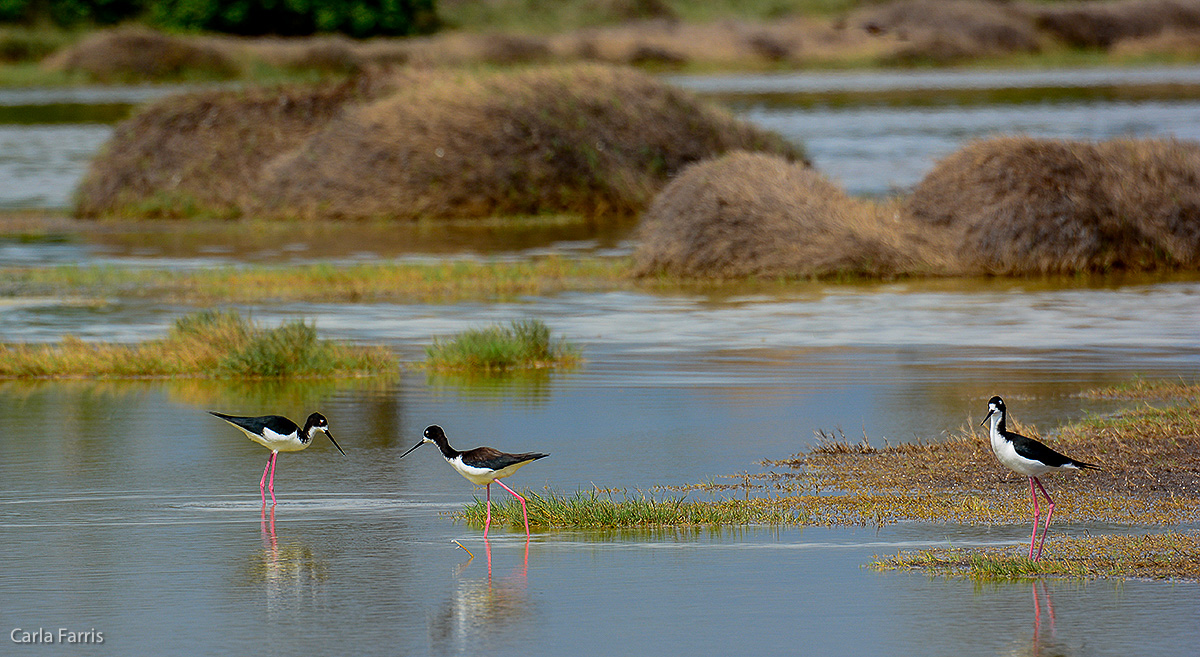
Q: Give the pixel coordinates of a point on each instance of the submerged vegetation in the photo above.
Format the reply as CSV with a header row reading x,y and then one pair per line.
x,y
1146,556
523,344
214,344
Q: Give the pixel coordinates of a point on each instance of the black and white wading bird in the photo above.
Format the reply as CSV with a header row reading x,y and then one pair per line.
x,y
1031,458
481,466
279,434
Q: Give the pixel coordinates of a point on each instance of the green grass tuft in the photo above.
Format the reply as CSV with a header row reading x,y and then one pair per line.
x,y
211,343
524,344
595,510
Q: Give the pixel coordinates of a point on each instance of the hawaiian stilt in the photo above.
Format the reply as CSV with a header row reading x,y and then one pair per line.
x,y
481,466
279,434
1031,458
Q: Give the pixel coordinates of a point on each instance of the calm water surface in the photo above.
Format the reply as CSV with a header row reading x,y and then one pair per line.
x,y
125,508
122,501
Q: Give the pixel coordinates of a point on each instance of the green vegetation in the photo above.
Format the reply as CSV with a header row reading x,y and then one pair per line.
x,y
215,344
596,510
448,281
524,344
1151,556
362,18
67,13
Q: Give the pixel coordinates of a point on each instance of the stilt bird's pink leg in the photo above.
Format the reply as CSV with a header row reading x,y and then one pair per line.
x,y
1049,514
271,483
1036,514
524,512
262,483
488,522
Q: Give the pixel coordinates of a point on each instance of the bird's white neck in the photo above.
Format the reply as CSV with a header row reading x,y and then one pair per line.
x,y
996,427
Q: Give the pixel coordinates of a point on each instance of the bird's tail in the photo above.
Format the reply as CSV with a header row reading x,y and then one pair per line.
x,y
1086,466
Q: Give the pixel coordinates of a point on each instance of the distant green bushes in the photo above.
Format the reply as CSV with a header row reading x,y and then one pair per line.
x,y
68,13
360,18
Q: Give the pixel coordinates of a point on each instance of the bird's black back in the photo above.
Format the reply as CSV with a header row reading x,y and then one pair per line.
x,y
493,459
1036,451
276,423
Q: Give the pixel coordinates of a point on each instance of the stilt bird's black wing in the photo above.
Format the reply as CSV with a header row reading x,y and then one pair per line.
x,y
486,457
277,424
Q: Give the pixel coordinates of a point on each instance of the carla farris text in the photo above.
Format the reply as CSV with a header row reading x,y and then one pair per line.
x,y
59,635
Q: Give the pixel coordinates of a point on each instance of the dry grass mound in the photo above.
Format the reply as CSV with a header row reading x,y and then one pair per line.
x,y
201,153
1022,205
138,55
588,138
759,215
1104,24
944,31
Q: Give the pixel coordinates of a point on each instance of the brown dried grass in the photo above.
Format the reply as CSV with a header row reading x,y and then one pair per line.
x,y
1150,458
202,153
761,215
1021,205
587,138
1105,24
134,54
946,31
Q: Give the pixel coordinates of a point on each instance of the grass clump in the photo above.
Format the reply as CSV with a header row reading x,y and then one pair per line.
x,y
414,144
211,344
586,139
594,510
1019,205
200,154
1169,555
136,54
523,344
753,214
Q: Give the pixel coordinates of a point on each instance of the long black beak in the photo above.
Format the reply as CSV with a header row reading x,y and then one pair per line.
x,y
985,418
330,436
412,448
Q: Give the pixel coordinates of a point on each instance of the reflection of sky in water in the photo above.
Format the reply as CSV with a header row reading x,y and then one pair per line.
x,y
879,150
1144,318
816,81
41,164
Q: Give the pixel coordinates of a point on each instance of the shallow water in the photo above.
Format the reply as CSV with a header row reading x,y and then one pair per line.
x,y
124,500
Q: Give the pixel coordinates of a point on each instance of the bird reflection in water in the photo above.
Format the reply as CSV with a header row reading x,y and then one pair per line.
x,y
293,577
1044,640
481,607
